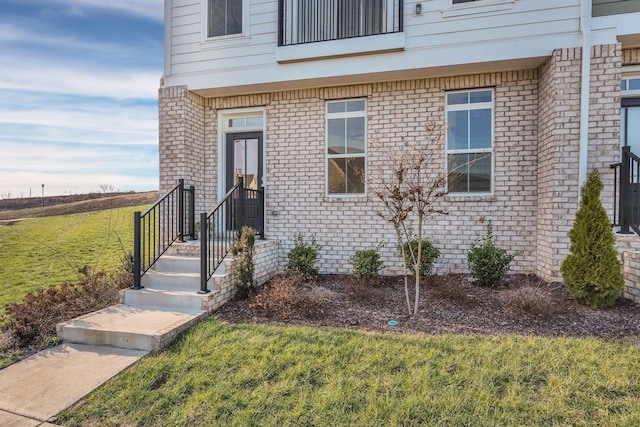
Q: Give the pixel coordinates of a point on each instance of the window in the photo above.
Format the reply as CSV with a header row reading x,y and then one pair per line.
x,y
346,146
225,17
470,141
462,1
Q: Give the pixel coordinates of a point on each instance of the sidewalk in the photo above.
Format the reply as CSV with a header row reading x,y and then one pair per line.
x,y
34,390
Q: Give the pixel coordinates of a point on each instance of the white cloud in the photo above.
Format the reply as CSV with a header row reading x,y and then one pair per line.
x,y
49,76
68,169
150,9
26,33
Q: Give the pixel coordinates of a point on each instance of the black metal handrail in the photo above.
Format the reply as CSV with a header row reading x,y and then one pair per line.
x,y
312,21
626,206
170,219
220,228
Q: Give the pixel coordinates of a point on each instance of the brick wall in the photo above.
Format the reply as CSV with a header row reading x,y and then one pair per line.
x,y
536,143
604,116
181,136
397,113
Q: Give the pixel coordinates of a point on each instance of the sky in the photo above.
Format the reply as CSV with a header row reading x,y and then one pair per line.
x,y
78,95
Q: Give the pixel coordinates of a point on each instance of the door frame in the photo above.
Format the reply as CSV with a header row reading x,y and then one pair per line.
x,y
225,128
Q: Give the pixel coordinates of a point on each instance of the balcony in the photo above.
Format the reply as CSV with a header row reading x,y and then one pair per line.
x,y
311,21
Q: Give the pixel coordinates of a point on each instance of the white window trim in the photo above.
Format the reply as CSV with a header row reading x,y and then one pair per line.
x,y
229,40
327,156
482,6
465,107
630,93
224,129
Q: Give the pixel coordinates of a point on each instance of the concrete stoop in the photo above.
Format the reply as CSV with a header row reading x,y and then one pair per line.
x,y
128,327
150,318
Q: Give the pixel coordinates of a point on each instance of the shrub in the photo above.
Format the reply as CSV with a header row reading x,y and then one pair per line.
x,y
488,263
366,264
302,257
32,322
591,271
532,300
428,256
243,267
448,287
285,297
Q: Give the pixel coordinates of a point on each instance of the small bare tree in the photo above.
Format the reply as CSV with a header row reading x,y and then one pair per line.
x,y
414,182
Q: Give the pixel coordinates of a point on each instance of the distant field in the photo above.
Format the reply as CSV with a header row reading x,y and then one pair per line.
x,y
65,205
45,252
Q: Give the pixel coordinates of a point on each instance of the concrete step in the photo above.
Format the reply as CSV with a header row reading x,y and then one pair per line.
x,y
171,280
177,264
129,327
181,281
168,299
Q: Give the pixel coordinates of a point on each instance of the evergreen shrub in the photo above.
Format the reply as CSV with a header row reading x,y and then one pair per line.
x,y
591,271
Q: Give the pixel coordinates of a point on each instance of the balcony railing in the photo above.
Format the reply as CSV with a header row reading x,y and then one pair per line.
x,y
309,21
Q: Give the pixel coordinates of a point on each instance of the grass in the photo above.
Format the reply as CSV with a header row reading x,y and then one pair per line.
x,y
45,252
246,375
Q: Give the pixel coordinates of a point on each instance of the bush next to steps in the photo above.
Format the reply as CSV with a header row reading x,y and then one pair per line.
x,y
243,268
32,322
591,271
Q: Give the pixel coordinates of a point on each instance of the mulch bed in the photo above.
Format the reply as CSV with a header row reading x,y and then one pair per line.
x,y
451,304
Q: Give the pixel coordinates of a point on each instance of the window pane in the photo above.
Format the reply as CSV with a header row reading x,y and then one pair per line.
x,y
234,16
483,96
238,157
632,131
623,85
237,122
355,105
462,1
251,166
355,175
337,171
634,84
480,173
225,17
336,136
254,121
336,107
457,130
457,166
355,135
458,98
480,123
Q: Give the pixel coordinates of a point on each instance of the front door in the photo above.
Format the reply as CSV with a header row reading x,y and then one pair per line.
x,y
244,159
630,137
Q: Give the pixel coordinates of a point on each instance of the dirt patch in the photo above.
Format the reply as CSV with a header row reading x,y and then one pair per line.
x,y
523,305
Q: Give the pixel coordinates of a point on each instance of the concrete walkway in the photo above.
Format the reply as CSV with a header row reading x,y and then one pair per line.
x,y
34,390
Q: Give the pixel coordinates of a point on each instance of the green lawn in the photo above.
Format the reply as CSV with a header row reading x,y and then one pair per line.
x,y
219,374
45,252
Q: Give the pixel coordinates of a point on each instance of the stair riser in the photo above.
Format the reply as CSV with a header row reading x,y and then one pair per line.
x,y
128,340
162,301
178,264
151,280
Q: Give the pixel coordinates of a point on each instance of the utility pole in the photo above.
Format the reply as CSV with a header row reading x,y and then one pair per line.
x,y
43,195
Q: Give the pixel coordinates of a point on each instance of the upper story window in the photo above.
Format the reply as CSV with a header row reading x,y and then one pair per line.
x,y
346,146
469,116
225,17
